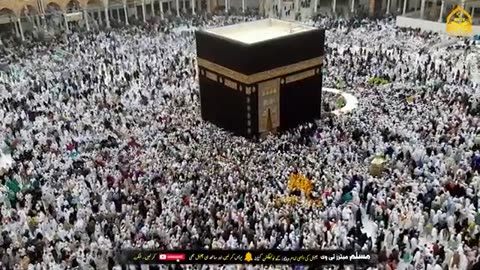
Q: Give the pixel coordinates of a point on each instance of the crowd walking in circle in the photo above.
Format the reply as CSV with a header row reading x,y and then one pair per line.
x,y
109,152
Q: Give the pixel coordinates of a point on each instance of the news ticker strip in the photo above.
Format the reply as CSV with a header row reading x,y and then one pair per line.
x,y
304,257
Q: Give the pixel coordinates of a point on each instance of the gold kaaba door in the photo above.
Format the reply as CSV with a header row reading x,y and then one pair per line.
x,y
269,106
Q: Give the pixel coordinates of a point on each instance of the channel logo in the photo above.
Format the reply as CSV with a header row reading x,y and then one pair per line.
x,y
171,257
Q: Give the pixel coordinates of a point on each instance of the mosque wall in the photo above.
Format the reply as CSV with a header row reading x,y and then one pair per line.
x,y
248,4
395,5
425,25
304,89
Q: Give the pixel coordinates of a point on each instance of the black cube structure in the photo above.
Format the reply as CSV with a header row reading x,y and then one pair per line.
x,y
262,76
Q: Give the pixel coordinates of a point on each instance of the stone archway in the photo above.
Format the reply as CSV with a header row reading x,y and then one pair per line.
x,y
74,17
9,7
116,10
53,8
95,4
29,10
10,13
6,12
54,15
29,14
73,6
95,12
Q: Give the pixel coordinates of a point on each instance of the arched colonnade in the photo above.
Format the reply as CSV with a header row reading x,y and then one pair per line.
x,y
36,11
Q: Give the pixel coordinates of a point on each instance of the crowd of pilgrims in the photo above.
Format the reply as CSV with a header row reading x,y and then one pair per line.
x,y
110,152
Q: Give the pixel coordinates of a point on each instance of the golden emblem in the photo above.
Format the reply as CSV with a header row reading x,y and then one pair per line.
x,y
248,257
459,22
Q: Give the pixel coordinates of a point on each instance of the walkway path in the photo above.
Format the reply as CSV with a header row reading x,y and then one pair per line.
x,y
350,100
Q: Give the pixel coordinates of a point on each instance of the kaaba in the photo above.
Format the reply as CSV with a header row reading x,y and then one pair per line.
x,y
261,76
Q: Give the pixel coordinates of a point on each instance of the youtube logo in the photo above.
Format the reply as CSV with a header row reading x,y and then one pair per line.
x,y
171,257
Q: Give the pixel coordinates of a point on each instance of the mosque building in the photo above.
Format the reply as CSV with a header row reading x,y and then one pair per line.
x,y
39,14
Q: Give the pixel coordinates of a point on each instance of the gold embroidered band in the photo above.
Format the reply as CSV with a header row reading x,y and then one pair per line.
x,y
211,76
260,76
231,84
300,76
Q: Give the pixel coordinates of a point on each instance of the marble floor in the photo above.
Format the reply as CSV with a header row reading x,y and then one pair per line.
x,y
350,100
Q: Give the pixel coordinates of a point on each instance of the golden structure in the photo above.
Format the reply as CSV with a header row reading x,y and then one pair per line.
x,y
300,183
459,22
377,166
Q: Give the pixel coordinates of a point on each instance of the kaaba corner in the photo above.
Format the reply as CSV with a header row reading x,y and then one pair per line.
x,y
261,76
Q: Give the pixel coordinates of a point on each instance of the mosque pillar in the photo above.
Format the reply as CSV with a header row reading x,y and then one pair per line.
x,y
144,15
422,9
184,6
97,17
107,19
440,18
297,6
404,7
38,20
17,32
193,6
20,27
85,15
473,12
432,9
177,5
353,6
125,12
243,6
280,8
315,7
388,6
135,14
44,22
66,22
463,4
153,8
209,6
373,7
334,6
226,6
161,9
